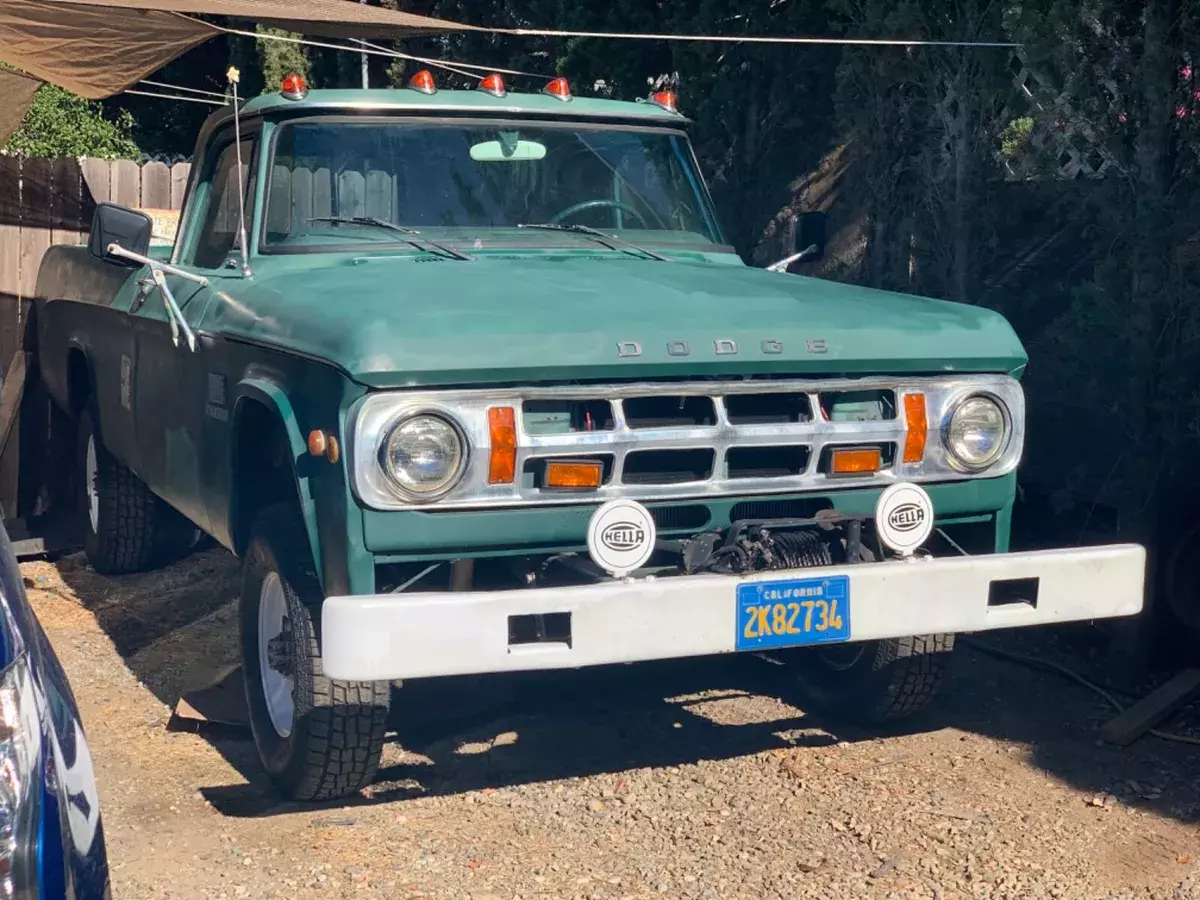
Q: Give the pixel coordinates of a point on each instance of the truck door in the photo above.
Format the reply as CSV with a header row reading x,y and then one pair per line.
x,y
172,383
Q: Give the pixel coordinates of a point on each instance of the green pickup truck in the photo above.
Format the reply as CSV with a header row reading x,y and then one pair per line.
x,y
479,387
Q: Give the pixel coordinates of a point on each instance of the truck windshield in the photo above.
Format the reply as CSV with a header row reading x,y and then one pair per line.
x,y
477,181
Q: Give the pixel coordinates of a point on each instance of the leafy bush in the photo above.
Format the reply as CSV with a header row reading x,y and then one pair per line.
x,y
60,124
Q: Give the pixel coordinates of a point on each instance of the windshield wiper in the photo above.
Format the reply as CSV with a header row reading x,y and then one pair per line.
x,y
423,244
601,237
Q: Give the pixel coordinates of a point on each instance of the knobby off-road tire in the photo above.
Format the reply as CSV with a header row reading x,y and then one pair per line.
x,y
874,682
336,734
126,528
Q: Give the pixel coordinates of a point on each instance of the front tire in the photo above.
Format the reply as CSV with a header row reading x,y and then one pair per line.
x,y
874,682
318,739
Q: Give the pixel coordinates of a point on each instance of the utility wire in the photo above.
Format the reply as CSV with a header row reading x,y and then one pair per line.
x,y
372,49
180,87
748,39
172,97
434,62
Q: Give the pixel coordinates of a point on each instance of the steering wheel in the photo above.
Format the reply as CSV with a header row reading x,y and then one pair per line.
x,y
557,218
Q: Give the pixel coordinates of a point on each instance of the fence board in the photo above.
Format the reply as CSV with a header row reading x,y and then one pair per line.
x,y
35,221
179,178
126,178
156,186
10,231
44,202
65,199
97,183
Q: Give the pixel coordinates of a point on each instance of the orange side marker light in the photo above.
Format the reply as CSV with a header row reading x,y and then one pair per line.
x,y
574,475
502,429
917,421
855,461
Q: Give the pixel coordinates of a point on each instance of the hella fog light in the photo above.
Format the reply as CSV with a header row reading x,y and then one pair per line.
x,y
424,456
976,432
20,788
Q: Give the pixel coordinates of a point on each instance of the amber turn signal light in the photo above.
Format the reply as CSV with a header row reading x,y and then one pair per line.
x,y
502,429
918,427
855,461
574,475
324,446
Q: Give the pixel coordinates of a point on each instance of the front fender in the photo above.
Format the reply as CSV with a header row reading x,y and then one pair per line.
x,y
273,397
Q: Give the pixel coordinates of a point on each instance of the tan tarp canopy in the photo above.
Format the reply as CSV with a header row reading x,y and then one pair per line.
x,y
16,93
97,48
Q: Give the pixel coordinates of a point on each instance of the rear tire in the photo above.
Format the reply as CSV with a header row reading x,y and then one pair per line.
x,y
117,510
318,739
874,682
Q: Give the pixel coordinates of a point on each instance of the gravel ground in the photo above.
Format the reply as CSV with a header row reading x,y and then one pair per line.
x,y
681,780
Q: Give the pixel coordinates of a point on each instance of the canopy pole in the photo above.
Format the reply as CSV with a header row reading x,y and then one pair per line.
x,y
366,73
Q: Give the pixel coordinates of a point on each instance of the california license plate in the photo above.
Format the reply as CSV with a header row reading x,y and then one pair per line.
x,y
792,613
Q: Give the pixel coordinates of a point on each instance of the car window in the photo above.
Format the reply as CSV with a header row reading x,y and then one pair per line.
x,y
476,179
217,228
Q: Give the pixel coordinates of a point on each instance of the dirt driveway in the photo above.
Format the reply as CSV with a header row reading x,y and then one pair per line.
x,y
688,780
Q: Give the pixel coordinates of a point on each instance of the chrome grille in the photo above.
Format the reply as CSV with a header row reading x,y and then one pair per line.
x,y
685,441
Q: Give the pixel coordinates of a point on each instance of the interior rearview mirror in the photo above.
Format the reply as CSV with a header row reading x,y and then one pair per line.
x,y
112,224
509,148
808,231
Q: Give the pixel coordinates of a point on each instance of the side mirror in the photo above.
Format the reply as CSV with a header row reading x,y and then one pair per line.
x,y
808,231
114,224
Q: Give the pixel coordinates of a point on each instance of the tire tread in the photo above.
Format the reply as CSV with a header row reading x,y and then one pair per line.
x,y
347,721
124,541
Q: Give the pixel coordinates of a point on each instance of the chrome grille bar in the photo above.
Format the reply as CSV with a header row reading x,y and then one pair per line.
x,y
376,413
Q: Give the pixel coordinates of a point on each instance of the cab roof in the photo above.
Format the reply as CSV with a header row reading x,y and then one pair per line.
x,y
477,102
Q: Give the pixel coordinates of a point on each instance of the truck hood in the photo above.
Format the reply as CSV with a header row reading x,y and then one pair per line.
x,y
415,321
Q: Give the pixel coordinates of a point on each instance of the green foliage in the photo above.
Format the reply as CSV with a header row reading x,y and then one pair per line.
x,y
60,123
1014,139
278,59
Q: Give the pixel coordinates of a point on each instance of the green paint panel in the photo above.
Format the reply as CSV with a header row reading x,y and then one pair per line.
x,y
535,316
417,535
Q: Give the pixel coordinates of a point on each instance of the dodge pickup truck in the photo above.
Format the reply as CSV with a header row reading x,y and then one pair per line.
x,y
472,383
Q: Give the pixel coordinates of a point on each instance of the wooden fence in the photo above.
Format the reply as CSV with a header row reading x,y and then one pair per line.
x,y
44,202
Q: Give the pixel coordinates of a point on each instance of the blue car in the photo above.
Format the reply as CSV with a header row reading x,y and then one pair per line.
x,y
51,840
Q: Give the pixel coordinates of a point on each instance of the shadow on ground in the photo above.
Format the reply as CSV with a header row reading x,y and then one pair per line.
x,y
176,630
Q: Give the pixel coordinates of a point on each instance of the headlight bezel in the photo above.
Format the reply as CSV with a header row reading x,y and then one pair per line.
x,y
409,416
954,408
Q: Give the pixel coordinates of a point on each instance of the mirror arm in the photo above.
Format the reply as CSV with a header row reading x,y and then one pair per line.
x,y
118,250
783,264
174,314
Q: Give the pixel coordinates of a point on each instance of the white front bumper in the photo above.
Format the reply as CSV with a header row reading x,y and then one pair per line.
x,y
394,636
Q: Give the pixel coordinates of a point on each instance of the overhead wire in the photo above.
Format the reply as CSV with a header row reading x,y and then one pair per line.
x,y
444,65
373,50
749,39
163,96
180,87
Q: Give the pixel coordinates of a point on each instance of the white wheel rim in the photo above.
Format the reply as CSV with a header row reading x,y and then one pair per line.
x,y
277,687
93,492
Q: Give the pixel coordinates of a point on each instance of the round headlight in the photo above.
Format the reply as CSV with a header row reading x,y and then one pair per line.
x,y
424,456
976,432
